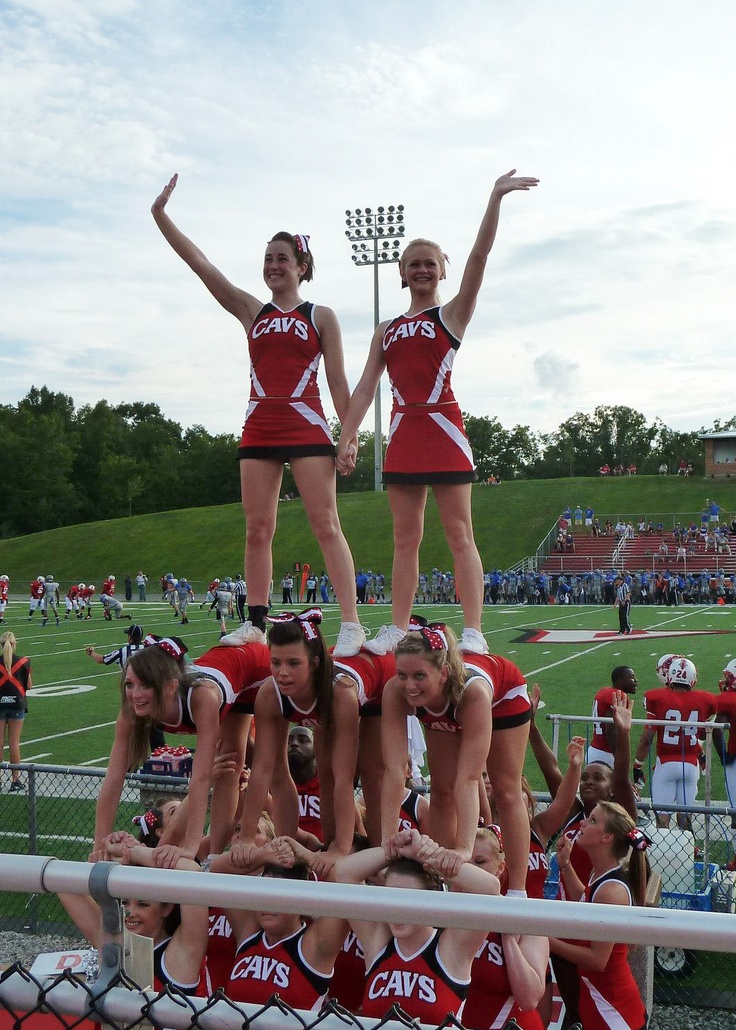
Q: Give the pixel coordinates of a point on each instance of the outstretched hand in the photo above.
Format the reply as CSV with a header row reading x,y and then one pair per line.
x,y
621,706
510,181
163,198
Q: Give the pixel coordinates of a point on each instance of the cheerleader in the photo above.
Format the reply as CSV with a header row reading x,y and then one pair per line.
x,y
306,689
424,970
427,445
608,992
206,699
287,337
476,712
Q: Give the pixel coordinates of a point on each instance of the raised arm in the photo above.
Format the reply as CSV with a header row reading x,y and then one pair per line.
x,y
548,822
542,751
239,303
459,311
336,761
623,792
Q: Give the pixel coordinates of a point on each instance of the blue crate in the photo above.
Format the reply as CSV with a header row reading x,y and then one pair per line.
x,y
699,900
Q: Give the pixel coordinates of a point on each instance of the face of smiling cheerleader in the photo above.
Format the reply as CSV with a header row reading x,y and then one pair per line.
x,y
421,681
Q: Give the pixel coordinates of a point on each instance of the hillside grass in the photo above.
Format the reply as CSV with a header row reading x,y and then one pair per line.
x,y
200,543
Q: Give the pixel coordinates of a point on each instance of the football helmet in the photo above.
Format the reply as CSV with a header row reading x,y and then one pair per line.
x,y
682,673
729,676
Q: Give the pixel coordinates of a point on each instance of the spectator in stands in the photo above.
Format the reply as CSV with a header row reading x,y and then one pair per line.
x,y
605,470
589,513
663,470
714,512
618,470
578,515
631,470
595,527
570,543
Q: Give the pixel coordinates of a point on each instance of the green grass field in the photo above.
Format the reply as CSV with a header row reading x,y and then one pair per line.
x,y
74,701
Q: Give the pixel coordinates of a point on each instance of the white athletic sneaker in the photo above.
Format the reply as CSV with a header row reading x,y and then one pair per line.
x,y
472,640
350,639
385,640
246,633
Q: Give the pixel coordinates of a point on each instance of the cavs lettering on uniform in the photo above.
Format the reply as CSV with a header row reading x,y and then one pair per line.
x,y
538,861
419,327
279,324
492,951
352,942
219,926
309,806
401,983
261,967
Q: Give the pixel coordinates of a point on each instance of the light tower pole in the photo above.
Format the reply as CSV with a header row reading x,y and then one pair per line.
x,y
374,234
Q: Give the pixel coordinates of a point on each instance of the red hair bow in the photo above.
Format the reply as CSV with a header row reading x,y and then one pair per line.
x,y
309,619
173,648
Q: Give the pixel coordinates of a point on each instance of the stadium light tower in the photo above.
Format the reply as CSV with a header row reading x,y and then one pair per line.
x,y
374,234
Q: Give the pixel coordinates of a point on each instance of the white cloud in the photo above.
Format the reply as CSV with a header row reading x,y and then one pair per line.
x,y
282,115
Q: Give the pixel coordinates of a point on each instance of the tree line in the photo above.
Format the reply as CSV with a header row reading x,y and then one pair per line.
x,y
66,465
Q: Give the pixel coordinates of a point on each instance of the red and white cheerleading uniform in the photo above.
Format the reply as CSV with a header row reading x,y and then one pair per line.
x,y
426,437
221,948
309,807
419,983
348,980
238,672
598,750
509,696
162,979
676,773
371,672
262,970
611,998
579,859
409,811
490,1003
284,416
538,868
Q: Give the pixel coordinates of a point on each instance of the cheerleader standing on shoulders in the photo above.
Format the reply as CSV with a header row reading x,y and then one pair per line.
x,y
427,445
287,337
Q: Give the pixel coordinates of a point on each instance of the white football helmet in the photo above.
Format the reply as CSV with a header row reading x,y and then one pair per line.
x,y
663,665
81,586
682,673
5,579
729,676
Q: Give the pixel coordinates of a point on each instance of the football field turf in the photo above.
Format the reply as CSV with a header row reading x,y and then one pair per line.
x,y
73,705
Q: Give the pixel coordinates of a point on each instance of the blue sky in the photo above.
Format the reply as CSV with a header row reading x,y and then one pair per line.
x,y
611,283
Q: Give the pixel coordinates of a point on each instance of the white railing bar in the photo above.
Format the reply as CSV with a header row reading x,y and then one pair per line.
x,y
697,930
642,722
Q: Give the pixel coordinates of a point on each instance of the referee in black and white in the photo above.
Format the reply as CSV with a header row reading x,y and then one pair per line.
x,y
240,593
623,603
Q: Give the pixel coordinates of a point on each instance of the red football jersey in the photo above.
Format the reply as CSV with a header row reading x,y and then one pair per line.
x,y
679,743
